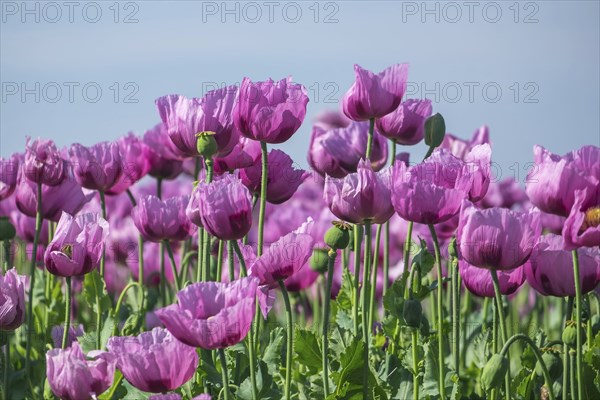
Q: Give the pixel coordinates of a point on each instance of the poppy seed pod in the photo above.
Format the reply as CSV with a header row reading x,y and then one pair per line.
x,y
206,144
338,236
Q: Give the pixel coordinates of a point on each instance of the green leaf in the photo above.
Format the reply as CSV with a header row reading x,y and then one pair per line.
x,y
351,365
272,353
93,286
424,258
393,300
308,350
264,384
344,298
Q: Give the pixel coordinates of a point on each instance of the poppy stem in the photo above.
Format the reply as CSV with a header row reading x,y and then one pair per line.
x,y
6,261
173,264
455,315
36,239
325,326
243,271
415,343
224,373
220,261
578,304
120,301
264,179
406,251
365,306
230,260
68,305
503,331
290,340
440,312
103,257
565,385
370,139
205,236
375,261
357,248
140,257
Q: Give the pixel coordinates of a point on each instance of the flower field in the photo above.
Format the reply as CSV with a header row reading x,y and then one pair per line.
x,y
198,261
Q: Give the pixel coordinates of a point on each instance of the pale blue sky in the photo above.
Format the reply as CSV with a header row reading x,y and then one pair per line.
x,y
543,56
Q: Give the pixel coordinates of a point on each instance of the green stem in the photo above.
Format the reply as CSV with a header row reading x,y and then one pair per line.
x,y
572,369
407,246
386,246
578,304
325,326
224,373
161,251
440,313
120,301
205,235
370,139
252,361
355,303
140,257
455,316
7,365
374,280
243,271
263,196
36,239
415,343
220,261
290,341
503,331
103,258
365,306
200,262
230,260
6,260
565,387
68,305
538,356
173,264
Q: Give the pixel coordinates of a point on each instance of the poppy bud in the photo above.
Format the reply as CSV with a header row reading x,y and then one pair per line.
x,y
494,372
206,144
318,260
553,364
7,230
569,335
412,312
435,130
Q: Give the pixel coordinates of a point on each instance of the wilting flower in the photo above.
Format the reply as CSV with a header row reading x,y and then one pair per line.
x,y
406,124
431,192
582,226
283,177
336,151
360,197
97,167
73,376
223,207
460,148
284,257
212,315
184,118
550,268
9,171
154,361
373,96
65,197
77,245
479,281
12,300
159,220
554,181
135,156
164,157
245,154
43,162
496,238
269,111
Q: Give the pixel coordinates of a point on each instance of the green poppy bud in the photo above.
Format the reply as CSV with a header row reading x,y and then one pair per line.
x,y
425,328
318,260
553,364
338,236
569,336
452,251
435,130
412,312
206,144
7,230
494,372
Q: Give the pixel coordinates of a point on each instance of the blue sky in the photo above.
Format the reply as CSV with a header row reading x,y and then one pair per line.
x,y
90,71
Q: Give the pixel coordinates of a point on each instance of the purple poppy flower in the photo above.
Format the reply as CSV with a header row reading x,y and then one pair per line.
x,y
269,111
135,158
159,220
496,238
212,315
154,361
164,157
283,177
582,226
550,268
430,192
25,227
336,151
551,223
284,257
506,193
460,148
223,207
58,332
77,245
9,172
553,182
184,118
406,124
362,196
12,300
479,280
330,119
74,376
43,162
245,154
373,96
65,197
97,167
